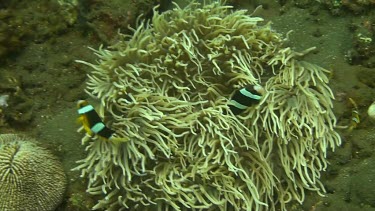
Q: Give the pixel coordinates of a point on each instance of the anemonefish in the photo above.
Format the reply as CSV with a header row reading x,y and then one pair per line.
x,y
91,121
244,98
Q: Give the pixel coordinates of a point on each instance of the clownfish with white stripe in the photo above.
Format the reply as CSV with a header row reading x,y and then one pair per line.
x,y
93,124
244,98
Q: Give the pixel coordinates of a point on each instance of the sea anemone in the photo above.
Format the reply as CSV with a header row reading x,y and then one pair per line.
x,y
166,90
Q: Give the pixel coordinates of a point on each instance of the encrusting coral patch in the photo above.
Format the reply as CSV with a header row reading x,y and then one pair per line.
x,y
164,91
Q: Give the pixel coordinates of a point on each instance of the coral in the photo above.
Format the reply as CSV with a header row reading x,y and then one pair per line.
x,y
19,109
355,6
166,89
22,22
358,6
10,34
363,47
107,18
31,178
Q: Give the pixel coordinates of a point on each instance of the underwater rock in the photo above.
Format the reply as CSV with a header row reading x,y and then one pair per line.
x,y
106,18
362,182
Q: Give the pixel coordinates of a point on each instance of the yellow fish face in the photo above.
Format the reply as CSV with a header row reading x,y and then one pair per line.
x,y
82,119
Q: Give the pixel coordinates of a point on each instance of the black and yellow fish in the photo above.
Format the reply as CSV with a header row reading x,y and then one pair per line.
x,y
244,98
93,124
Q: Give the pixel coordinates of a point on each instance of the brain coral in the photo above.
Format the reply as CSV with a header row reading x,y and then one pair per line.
x,y
31,178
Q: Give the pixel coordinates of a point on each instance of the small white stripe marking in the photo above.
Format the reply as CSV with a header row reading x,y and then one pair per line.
x,y
237,104
249,94
97,127
85,109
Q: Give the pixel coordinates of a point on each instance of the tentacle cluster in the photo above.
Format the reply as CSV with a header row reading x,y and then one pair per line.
x,y
166,88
